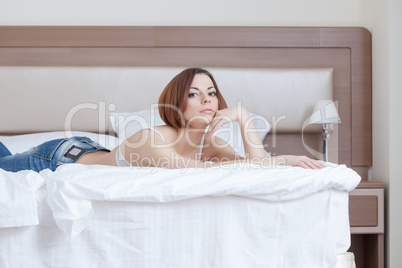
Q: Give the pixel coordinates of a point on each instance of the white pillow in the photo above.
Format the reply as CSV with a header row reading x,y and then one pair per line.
x,y
127,124
22,143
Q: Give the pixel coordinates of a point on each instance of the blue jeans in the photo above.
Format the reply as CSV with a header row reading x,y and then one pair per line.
x,y
50,154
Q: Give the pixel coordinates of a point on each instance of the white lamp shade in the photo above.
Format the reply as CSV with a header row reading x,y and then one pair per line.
x,y
325,112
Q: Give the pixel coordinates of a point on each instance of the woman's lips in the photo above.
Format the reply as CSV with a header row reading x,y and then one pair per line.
x,y
207,111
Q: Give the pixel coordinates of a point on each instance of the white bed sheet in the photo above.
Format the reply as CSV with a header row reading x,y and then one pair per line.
x,y
226,217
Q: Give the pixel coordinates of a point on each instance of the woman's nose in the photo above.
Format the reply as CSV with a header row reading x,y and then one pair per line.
x,y
206,99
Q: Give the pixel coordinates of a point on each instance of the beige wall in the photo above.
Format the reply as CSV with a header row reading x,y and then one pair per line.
x,y
395,88
385,24
381,17
162,12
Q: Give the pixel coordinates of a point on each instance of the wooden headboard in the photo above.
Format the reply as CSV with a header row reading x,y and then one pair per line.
x,y
346,50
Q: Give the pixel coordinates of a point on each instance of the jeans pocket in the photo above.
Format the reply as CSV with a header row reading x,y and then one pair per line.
x,y
47,150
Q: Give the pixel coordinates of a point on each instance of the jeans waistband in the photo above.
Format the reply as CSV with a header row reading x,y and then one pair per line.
x,y
72,149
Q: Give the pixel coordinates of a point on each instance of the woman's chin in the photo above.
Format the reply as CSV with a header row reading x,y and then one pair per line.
x,y
201,121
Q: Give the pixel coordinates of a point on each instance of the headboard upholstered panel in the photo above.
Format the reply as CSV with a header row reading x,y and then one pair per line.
x,y
85,90
345,51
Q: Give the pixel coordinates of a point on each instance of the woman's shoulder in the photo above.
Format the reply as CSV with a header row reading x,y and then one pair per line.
x,y
167,133
150,136
165,130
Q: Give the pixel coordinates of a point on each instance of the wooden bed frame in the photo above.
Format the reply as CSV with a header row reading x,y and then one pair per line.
x,y
346,50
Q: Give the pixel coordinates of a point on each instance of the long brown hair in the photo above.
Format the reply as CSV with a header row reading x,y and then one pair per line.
x,y
173,99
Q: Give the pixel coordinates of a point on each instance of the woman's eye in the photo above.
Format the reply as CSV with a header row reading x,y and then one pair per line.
x,y
213,94
192,95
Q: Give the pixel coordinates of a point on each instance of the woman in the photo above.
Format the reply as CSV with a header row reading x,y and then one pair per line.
x,y
193,109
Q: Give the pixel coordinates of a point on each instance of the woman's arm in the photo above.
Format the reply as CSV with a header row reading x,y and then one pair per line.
x,y
252,142
253,146
281,160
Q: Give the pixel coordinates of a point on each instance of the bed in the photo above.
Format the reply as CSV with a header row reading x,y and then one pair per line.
x,y
102,81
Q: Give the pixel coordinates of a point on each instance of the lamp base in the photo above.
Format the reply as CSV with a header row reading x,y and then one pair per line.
x,y
325,136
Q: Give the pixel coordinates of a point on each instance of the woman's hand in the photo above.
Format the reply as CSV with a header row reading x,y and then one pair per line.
x,y
224,116
302,161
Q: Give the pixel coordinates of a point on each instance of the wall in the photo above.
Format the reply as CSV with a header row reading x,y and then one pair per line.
x,y
381,17
395,215
395,133
385,25
160,12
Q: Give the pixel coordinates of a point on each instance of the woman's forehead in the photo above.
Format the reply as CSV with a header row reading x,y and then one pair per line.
x,y
201,79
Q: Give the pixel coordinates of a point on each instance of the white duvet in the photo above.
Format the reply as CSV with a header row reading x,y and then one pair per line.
x,y
231,216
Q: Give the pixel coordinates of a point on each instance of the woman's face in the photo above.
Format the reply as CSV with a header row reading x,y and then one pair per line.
x,y
202,102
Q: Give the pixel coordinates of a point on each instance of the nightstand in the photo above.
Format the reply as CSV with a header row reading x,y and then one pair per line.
x,y
366,214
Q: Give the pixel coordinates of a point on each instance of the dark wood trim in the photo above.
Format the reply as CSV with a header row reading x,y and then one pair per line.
x,y
157,36
363,210
236,37
76,36
370,185
368,250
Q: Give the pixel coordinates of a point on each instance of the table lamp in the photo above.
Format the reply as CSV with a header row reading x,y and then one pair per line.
x,y
325,113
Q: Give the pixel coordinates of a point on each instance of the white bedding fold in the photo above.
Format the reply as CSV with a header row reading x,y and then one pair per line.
x,y
72,188
18,205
